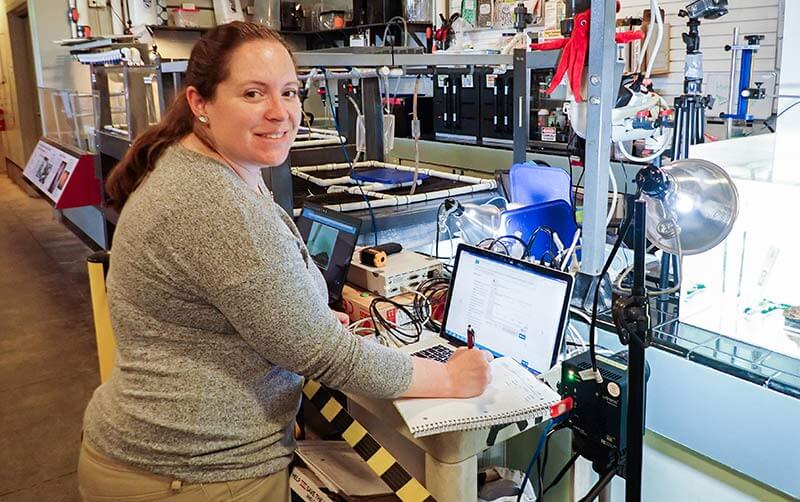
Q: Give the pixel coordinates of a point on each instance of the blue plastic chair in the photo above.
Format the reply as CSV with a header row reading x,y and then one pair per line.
x,y
532,183
555,215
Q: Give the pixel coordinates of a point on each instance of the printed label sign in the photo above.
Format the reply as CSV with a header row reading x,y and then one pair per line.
x,y
50,169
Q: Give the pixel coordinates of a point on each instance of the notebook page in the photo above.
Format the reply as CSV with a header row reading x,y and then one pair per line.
x,y
512,391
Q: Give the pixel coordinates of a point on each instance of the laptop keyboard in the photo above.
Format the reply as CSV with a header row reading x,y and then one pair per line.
x,y
439,353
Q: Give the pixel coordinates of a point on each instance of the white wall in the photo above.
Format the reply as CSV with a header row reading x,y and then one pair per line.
x,y
672,473
788,126
54,66
750,16
9,94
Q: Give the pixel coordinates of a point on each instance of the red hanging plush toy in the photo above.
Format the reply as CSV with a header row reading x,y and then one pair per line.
x,y
573,57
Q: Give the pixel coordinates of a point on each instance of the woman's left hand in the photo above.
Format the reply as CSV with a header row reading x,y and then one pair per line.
x,y
342,317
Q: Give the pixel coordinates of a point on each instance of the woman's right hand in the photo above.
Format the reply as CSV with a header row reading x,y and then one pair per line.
x,y
466,374
469,372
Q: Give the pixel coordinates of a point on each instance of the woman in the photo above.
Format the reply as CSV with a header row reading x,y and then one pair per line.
x,y
217,307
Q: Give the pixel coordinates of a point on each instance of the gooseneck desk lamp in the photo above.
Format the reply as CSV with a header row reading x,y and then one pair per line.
x,y
685,208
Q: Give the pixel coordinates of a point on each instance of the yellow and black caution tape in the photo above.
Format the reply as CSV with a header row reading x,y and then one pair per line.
x,y
405,486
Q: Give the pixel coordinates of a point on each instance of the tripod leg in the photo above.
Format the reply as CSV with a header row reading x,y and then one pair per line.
x,y
663,278
688,131
680,131
702,125
676,131
676,268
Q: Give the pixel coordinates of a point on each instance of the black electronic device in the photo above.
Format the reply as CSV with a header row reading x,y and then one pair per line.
x,y
402,107
330,237
377,256
549,124
573,7
291,16
598,419
706,9
375,11
497,107
518,308
456,105
279,181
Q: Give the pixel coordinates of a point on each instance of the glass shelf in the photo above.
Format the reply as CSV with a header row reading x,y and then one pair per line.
x,y
755,364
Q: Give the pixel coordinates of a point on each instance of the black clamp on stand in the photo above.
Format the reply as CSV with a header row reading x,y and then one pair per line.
x,y
573,7
521,17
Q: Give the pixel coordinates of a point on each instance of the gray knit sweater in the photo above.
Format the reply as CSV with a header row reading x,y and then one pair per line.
x,y
218,310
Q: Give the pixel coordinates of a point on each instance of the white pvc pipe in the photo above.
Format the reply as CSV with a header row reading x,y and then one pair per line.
x,y
382,199
655,12
373,163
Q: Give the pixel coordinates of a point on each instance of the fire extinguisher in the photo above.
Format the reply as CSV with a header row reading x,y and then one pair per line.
x,y
2,119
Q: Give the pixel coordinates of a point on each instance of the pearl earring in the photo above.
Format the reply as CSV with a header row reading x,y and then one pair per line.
x,y
203,119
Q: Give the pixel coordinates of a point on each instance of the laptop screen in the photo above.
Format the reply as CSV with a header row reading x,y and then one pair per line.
x,y
330,238
515,308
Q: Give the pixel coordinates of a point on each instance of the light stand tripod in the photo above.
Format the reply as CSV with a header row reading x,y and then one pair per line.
x,y
691,106
670,226
632,319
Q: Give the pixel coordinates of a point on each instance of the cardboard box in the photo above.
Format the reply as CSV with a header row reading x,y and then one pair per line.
x,y
331,471
305,486
356,304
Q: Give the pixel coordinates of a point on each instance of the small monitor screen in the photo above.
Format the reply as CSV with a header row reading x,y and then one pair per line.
x,y
330,238
515,308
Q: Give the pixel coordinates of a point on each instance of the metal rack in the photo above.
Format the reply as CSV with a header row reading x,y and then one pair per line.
x,y
142,107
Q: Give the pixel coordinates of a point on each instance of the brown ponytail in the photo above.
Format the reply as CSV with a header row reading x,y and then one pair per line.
x,y
208,66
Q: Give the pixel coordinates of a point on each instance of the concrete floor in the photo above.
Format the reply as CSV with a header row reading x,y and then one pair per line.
x,y
48,361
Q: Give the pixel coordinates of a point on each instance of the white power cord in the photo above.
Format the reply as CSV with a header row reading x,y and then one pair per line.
x,y
614,192
678,272
415,133
576,337
358,328
428,306
655,12
571,249
405,30
578,312
496,197
664,143
355,105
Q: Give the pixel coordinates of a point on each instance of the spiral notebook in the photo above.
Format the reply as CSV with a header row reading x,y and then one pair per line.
x,y
514,394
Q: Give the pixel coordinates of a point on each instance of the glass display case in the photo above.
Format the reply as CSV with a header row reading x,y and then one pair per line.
x,y
127,99
743,293
68,117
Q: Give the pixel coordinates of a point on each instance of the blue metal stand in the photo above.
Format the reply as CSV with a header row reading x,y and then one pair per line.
x,y
745,92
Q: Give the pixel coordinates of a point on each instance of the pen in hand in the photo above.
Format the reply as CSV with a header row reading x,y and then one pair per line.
x,y
470,337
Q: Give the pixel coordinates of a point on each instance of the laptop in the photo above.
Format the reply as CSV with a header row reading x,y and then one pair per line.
x,y
515,308
330,237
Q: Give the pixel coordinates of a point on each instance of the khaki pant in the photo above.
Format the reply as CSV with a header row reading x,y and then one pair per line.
x,y
101,479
